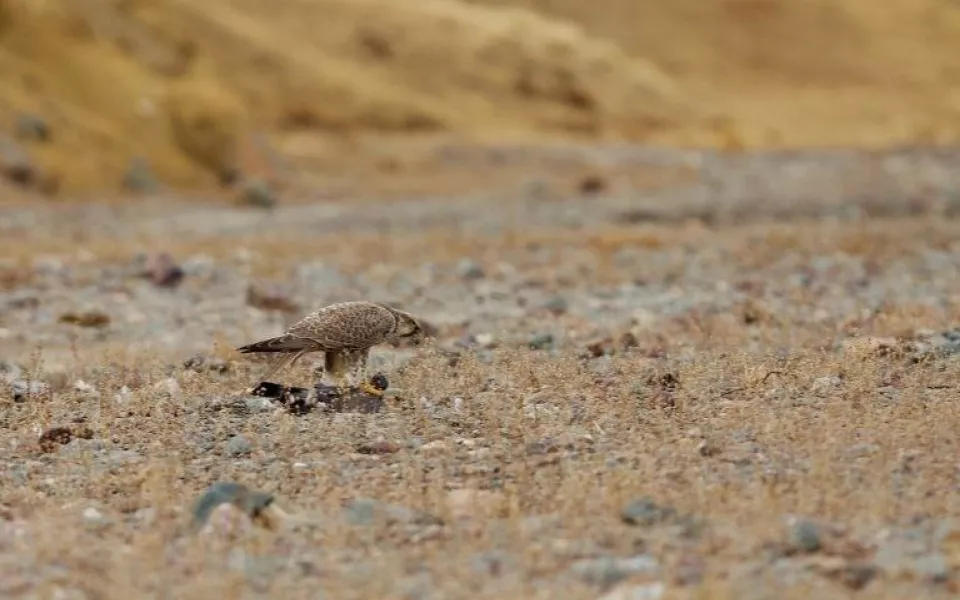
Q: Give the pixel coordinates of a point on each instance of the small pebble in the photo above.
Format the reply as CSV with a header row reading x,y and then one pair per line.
x,y
9,371
256,404
805,536
270,296
484,340
258,193
933,567
169,385
645,512
436,446
646,591
31,128
608,571
367,511
162,270
250,503
15,164
139,177
823,385
238,445
23,390
85,389
491,564
120,457
94,517
199,265
541,341
469,270
557,305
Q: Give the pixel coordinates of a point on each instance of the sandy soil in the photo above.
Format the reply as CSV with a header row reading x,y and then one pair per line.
x,y
655,374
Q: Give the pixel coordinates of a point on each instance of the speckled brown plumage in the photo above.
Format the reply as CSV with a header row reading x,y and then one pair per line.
x,y
344,332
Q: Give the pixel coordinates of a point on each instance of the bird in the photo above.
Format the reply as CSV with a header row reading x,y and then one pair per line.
x,y
345,332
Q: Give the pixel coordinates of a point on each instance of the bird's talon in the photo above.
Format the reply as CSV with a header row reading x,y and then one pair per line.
x,y
369,388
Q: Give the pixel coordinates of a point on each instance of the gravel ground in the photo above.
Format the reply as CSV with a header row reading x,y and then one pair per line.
x,y
742,385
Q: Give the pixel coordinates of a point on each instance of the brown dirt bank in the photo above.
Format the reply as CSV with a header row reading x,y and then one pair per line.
x,y
187,85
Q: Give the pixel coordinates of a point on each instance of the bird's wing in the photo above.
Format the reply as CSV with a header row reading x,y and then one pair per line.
x,y
346,326
283,343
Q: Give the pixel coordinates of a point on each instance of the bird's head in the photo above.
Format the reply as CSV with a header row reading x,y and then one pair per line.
x,y
408,326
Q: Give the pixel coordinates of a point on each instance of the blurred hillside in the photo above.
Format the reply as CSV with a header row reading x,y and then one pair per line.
x,y
186,84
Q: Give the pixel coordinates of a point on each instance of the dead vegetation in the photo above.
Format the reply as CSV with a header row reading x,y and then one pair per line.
x,y
521,467
783,422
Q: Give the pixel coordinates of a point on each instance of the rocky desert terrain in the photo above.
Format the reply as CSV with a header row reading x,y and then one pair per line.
x,y
691,277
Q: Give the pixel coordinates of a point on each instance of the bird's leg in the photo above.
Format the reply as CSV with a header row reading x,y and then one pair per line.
x,y
337,372
279,363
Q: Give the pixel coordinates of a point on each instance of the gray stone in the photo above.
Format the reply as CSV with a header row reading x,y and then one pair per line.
x,y
257,192
238,445
945,530
19,473
15,164
942,345
139,177
557,304
147,516
22,390
367,511
257,404
31,128
933,567
805,536
823,385
908,556
9,372
645,512
490,563
261,569
862,449
50,267
601,366
647,591
414,587
469,270
95,519
904,555
199,265
541,341
119,457
250,502
608,571
857,575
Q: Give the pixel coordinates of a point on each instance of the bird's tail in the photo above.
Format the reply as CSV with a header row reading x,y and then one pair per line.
x,y
283,343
